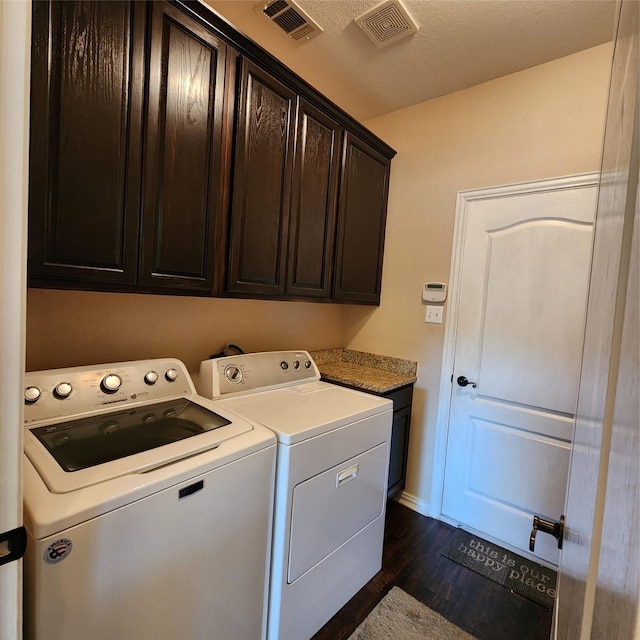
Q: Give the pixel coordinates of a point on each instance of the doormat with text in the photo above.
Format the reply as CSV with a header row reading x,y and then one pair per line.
x,y
530,579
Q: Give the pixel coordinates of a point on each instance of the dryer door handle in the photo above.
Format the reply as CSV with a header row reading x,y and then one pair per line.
x,y
351,473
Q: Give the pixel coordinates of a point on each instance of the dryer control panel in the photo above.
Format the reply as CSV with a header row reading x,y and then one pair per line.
x,y
233,375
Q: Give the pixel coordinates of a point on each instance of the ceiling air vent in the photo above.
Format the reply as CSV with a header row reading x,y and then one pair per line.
x,y
387,23
291,19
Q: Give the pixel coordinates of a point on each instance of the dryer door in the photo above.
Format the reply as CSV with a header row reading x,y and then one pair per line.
x,y
335,505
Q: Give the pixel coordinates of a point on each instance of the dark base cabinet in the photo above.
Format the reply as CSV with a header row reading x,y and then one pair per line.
x,y
399,438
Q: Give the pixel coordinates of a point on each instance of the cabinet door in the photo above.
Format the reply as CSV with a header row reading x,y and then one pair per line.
x,y
184,170
313,204
362,215
86,107
399,450
261,185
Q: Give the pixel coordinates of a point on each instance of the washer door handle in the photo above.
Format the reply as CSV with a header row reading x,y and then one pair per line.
x,y
347,475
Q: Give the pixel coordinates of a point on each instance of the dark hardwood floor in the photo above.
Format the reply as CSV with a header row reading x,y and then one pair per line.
x,y
412,561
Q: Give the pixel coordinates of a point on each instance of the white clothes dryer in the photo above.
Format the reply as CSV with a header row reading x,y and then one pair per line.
x,y
332,467
147,508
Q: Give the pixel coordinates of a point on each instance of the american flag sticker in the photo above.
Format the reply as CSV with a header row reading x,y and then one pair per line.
x,y
58,551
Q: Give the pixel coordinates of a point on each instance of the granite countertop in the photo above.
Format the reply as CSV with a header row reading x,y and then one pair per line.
x,y
366,371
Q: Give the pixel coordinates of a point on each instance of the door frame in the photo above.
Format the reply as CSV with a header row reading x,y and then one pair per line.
x,y
463,202
15,57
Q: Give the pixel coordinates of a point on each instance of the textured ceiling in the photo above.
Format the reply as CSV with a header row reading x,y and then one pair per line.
x,y
460,43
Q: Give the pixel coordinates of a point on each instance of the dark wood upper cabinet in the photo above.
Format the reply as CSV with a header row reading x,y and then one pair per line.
x,y
171,154
283,211
184,170
362,212
313,204
86,125
261,184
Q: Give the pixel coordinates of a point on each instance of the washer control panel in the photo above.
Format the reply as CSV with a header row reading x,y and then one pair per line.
x,y
221,377
62,393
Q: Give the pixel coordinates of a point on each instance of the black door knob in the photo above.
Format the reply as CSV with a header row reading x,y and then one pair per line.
x,y
463,382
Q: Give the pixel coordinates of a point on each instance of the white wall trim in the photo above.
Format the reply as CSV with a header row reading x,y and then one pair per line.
x,y
414,503
451,324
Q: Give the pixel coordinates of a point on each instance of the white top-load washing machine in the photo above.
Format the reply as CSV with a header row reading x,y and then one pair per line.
x,y
148,508
331,478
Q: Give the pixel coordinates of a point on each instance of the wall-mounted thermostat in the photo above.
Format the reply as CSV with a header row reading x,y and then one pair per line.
x,y
434,292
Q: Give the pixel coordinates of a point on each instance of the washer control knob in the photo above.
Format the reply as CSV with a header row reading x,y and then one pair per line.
x,y
307,364
296,364
32,394
151,377
284,366
233,373
171,375
111,383
62,390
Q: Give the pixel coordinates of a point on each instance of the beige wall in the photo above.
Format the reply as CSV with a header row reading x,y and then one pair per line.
x,y
543,122
69,328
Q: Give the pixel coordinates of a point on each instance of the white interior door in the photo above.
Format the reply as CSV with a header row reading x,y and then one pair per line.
x,y
599,578
15,39
522,279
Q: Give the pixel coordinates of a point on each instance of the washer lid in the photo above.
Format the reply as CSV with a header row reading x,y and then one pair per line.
x,y
303,411
77,453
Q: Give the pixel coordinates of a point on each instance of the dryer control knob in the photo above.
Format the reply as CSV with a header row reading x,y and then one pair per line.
x,y
233,373
151,377
32,394
111,383
171,375
62,390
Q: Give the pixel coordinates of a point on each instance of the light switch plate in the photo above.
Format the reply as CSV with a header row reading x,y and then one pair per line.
x,y
433,314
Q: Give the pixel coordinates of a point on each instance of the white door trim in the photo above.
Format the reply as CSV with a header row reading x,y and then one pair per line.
x,y
444,397
15,48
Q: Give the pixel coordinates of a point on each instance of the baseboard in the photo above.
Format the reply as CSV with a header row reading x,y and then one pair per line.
x,y
408,500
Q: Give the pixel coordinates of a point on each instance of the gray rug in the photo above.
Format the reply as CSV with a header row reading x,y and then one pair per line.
x,y
518,574
398,616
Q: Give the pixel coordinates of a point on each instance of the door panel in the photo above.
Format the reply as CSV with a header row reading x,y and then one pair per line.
x,y
333,506
263,164
535,319
15,27
87,91
599,579
313,204
362,212
521,481
522,298
183,165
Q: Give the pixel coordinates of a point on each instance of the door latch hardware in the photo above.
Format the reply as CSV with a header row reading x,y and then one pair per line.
x,y
12,545
463,382
555,528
